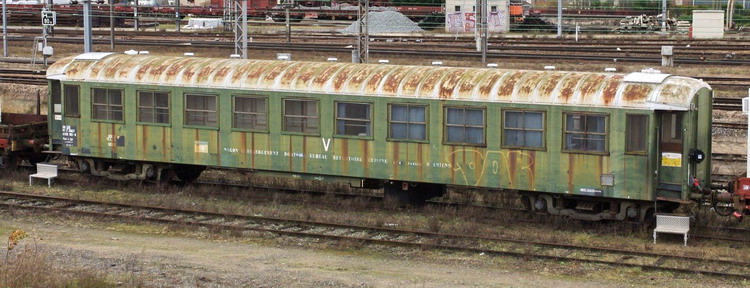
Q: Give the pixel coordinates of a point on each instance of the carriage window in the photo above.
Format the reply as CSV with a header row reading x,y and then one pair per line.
x,y
153,107
464,126
250,113
200,110
71,101
301,116
408,122
107,104
636,133
493,9
353,119
586,132
458,8
523,129
671,132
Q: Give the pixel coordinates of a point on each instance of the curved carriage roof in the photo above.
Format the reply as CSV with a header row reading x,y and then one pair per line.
x,y
650,91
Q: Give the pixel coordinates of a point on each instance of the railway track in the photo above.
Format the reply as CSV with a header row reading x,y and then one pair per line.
x,y
421,49
506,246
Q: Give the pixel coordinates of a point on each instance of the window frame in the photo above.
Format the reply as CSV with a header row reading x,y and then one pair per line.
x,y
153,93
185,110
503,132
65,101
587,114
464,125
283,116
234,112
408,123
108,105
645,150
336,119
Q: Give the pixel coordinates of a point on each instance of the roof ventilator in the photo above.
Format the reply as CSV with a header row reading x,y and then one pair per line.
x,y
189,54
651,70
131,52
284,56
384,61
332,59
437,63
491,65
235,56
143,52
549,67
610,69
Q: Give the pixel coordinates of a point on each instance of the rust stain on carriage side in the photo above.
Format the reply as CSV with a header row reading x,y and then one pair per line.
x,y
532,169
393,81
506,89
569,85
610,89
636,92
449,83
590,86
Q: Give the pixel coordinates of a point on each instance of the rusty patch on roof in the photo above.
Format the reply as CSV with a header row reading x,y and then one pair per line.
x,y
393,80
506,89
322,78
671,93
412,80
610,89
340,79
356,80
432,80
546,90
373,83
449,83
526,88
305,75
486,88
290,75
636,92
569,86
590,87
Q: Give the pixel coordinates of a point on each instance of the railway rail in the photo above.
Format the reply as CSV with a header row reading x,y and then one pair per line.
x,y
508,246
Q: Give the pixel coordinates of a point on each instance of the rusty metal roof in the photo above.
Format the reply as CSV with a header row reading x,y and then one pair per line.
x,y
641,91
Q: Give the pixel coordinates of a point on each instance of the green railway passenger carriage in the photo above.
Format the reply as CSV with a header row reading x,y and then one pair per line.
x,y
588,145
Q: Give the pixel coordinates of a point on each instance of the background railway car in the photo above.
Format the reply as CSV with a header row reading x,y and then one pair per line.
x,y
588,145
22,137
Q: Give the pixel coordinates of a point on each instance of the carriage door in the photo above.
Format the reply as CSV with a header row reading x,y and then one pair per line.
x,y
670,178
55,109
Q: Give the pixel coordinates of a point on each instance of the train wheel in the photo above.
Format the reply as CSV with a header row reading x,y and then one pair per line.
x,y
10,162
189,174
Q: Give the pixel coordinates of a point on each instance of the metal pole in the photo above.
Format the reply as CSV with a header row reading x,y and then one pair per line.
x,y
363,36
288,27
5,33
177,15
87,47
111,26
135,16
484,31
477,23
663,15
559,18
244,29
